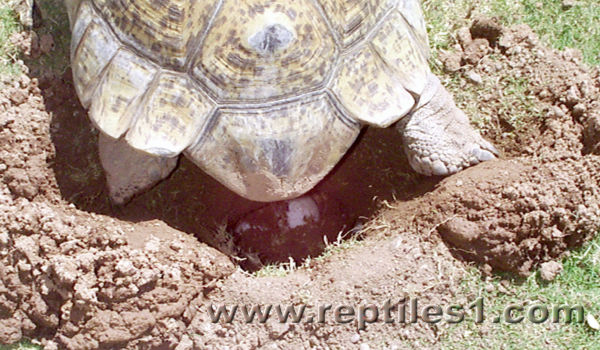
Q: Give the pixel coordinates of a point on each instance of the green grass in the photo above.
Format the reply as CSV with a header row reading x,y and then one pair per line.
x,y
577,27
55,23
517,108
276,270
22,345
8,53
576,285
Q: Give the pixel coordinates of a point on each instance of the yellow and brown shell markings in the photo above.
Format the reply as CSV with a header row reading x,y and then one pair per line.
x,y
264,95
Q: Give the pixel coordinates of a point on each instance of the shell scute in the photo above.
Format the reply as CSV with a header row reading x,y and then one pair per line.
x,y
413,14
171,116
164,30
262,50
370,91
92,48
397,45
353,19
276,152
118,94
264,95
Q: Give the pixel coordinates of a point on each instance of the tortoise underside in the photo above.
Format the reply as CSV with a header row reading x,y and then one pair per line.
x,y
269,118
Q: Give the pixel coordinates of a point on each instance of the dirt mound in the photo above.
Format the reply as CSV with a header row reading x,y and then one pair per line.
x,y
81,274
514,214
533,207
85,280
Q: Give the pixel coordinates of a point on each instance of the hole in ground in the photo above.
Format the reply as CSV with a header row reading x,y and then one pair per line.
x,y
375,169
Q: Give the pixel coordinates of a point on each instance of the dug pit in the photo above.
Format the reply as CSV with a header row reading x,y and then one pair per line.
x,y
375,169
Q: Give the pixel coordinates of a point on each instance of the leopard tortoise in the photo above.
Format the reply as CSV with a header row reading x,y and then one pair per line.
x,y
266,96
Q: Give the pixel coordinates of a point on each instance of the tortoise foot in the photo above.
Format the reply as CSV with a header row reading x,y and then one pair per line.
x,y
129,171
438,138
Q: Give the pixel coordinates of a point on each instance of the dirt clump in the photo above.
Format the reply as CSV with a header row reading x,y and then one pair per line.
x,y
487,28
525,214
549,270
591,134
561,92
28,43
86,281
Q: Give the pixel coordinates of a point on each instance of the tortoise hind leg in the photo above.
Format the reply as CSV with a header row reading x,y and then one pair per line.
x,y
130,171
438,137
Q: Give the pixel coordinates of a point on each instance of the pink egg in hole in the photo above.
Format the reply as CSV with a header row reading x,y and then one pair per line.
x,y
295,228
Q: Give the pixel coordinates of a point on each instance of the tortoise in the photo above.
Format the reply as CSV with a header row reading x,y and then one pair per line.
x,y
266,96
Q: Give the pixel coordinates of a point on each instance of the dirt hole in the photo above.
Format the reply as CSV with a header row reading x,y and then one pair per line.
x,y
373,171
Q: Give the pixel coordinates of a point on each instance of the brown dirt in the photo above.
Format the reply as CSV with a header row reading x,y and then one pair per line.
x,y
550,269
78,273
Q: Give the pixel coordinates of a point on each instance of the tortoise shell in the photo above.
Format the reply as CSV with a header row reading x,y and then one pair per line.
x,y
264,95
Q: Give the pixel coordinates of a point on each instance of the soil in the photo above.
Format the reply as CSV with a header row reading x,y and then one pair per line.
x,y
79,273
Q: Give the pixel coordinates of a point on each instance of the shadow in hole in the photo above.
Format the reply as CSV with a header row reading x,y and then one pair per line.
x,y
374,169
